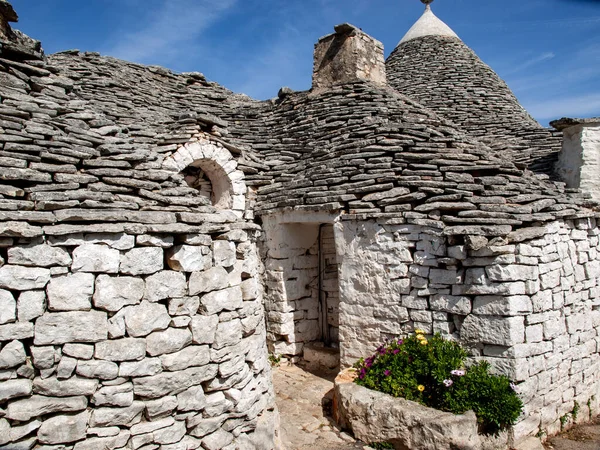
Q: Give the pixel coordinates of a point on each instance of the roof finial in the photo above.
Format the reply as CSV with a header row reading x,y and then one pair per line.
x,y
427,3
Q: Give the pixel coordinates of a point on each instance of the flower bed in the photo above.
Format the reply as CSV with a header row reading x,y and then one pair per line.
x,y
417,393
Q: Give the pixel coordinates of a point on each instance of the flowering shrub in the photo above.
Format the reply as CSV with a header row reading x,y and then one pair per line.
x,y
432,372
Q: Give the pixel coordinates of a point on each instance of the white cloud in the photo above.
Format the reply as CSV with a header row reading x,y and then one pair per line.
x,y
531,62
164,33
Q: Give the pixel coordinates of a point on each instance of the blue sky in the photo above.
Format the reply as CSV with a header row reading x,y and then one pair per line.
x,y
548,51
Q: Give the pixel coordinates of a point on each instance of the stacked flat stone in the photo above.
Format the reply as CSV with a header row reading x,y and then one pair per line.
x,y
445,75
130,307
368,151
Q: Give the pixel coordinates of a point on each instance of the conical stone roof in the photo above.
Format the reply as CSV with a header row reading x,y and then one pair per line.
x,y
433,66
428,25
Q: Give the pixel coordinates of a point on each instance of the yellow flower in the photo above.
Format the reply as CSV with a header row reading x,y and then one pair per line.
x,y
421,388
419,332
424,341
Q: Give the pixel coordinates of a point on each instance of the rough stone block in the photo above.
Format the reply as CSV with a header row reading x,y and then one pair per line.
x,y
204,329
168,341
73,387
502,306
512,273
64,429
39,256
143,319
504,331
172,383
8,307
79,351
209,280
158,408
112,417
120,395
224,253
129,349
451,304
142,261
144,368
186,258
113,293
11,389
37,405
193,356
224,300
67,327
31,305
102,370
192,399
170,435
95,258
155,241
186,306
166,284
71,292
104,442
118,241
19,278
228,334
12,355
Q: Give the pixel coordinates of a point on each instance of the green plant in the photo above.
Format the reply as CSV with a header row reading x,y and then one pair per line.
x,y
589,404
563,420
575,411
274,359
431,372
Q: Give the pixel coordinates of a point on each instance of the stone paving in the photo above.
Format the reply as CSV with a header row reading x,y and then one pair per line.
x,y
304,401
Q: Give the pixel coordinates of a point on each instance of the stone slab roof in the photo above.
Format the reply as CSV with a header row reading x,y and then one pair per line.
x,y
368,151
445,75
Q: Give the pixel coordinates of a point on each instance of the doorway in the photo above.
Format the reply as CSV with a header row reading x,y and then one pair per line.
x,y
329,290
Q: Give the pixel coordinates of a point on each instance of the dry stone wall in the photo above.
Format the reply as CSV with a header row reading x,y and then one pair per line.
x,y
291,255
527,303
131,339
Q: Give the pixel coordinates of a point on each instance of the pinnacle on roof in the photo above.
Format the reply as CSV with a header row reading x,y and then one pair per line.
x,y
428,25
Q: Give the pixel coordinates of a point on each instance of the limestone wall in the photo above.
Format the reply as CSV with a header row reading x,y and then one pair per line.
x,y
291,253
115,336
529,303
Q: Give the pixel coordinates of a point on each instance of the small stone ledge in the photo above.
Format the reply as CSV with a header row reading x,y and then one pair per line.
x,y
377,417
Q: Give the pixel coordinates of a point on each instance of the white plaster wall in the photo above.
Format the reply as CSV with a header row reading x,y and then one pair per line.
x,y
590,171
579,161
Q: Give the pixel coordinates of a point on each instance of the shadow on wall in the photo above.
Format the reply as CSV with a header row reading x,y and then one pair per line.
x,y
301,287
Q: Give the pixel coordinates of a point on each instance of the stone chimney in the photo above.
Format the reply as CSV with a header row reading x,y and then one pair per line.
x,y
579,161
346,56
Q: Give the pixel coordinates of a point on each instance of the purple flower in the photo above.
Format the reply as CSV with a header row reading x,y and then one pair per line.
x,y
382,351
387,373
400,342
362,373
448,383
369,362
396,351
458,373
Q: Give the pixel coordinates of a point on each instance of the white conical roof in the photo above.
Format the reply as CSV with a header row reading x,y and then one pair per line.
x,y
428,25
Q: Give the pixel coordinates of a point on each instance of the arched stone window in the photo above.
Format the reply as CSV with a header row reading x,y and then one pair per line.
x,y
211,169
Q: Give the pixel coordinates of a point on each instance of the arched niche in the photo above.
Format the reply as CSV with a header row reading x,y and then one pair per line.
x,y
205,166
